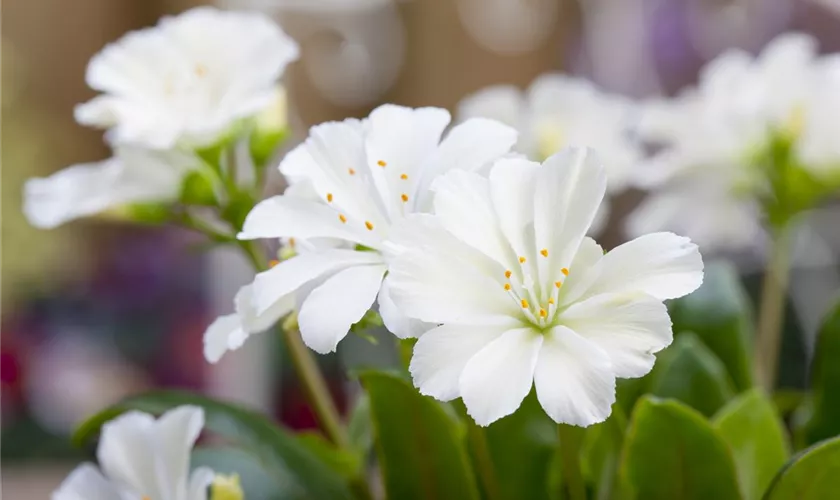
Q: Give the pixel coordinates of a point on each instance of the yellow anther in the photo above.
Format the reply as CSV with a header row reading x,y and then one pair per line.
x,y
543,314
521,260
351,171
404,198
342,218
564,271
507,287
291,242
507,274
200,70
273,262
551,300
557,284
329,197
544,252
381,163
369,225
524,304
404,177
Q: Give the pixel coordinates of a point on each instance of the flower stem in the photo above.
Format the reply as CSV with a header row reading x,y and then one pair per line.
x,y
571,439
771,311
484,462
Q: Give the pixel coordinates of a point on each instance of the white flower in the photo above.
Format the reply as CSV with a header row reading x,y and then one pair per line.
x,y
368,175
188,79
559,111
132,175
522,297
142,458
704,178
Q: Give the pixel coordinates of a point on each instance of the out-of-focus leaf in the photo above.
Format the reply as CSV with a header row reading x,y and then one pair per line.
x,y
359,426
811,475
256,482
601,455
672,452
690,372
719,313
278,451
421,449
754,433
787,401
522,446
629,390
824,420
344,462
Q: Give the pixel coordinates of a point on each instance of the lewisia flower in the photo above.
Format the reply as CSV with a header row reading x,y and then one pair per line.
x,y
522,297
132,175
188,79
143,458
367,176
559,111
707,177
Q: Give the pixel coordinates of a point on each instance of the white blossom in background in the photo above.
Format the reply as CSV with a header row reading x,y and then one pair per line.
x,y
523,297
703,178
143,458
132,175
559,111
362,179
188,79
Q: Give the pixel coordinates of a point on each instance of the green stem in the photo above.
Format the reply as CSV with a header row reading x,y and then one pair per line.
x,y
484,462
771,311
571,439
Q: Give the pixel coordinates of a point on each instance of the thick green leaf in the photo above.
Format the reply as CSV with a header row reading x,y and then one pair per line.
x,y
672,452
690,372
421,448
521,447
752,429
813,474
601,454
347,463
719,312
825,381
278,451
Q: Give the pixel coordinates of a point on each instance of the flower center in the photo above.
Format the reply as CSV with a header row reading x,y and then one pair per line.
x,y
550,139
538,304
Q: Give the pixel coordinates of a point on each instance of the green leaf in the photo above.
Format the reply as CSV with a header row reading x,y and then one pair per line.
x,y
810,475
754,433
346,463
825,381
264,143
719,312
601,454
672,452
359,426
420,446
690,372
197,189
277,450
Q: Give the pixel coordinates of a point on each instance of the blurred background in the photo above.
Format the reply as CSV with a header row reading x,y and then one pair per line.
x,y
96,310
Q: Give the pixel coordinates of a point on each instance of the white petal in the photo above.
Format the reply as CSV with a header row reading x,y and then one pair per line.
x,y
663,265
175,434
469,146
496,380
499,102
464,204
271,288
200,480
440,356
258,320
289,216
395,320
86,482
574,379
584,271
512,183
328,312
224,334
126,453
629,327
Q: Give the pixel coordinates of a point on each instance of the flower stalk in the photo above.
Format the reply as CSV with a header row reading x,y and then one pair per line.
x,y
771,311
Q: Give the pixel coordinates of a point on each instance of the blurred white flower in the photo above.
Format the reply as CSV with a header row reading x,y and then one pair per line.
x,y
559,111
367,176
705,179
132,175
524,298
188,79
140,457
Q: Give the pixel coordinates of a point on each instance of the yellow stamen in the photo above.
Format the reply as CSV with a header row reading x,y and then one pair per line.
x,y
507,287
404,198
551,300
291,242
524,304
273,262
404,177
544,252
557,284
507,274
369,225
200,70
351,171
564,271
543,314
521,260
329,197
342,218
381,163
